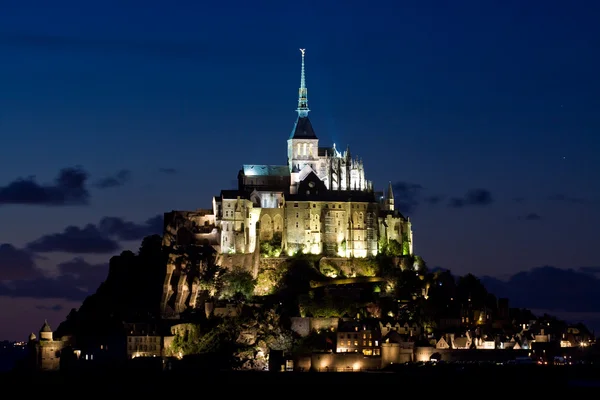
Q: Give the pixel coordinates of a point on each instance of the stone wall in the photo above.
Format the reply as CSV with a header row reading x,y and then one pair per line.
x,y
343,362
236,260
394,353
270,263
423,354
348,267
304,325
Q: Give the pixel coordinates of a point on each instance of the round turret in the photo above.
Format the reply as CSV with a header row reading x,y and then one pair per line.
x,y
32,337
46,331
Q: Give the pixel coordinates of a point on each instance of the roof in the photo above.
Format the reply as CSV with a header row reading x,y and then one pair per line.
x,y
330,151
265,170
313,189
303,129
233,194
45,327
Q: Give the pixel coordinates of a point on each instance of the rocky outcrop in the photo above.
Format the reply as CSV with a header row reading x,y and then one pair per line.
x,y
188,267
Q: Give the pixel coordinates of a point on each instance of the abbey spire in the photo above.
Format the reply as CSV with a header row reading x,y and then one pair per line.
x,y
303,128
302,92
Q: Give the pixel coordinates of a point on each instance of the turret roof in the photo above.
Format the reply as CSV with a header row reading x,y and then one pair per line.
x,y
45,327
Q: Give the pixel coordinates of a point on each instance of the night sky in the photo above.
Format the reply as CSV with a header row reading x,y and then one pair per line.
x,y
484,114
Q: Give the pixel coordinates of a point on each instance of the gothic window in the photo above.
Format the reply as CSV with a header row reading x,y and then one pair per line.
x,y
277,223
298,149
304,149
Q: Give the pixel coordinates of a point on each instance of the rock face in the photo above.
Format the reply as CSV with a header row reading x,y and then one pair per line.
x,y
190,269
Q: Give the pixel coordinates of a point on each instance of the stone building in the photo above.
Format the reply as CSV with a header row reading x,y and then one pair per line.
x,y
45,352
319,203
358,337
143,340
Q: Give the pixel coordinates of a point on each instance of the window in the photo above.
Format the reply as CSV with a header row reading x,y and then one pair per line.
x,y
296,224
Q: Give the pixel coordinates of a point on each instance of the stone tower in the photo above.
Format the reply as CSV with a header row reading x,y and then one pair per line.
x,y
46,332
389,198
303,144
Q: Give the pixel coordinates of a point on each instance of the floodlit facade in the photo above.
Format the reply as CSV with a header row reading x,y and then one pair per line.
x,y
320,202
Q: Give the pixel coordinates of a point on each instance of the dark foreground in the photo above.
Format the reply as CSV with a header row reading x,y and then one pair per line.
x,y
429,378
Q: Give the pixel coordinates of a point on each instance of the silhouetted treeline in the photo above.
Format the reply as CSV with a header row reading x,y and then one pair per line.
x,y
131,292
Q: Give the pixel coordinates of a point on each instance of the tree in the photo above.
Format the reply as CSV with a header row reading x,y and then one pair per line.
x,y
237,282
469,289
394,248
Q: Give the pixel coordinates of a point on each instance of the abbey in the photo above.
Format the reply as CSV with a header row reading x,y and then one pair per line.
x,y
320,203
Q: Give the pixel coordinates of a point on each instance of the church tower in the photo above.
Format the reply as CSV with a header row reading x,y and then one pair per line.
x,y
389,199
303,144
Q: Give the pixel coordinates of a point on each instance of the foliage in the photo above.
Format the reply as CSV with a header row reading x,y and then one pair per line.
x,y
237,282
228,337
132,291
268,279
394,248
351,268
272,247
186,342
210,279
329,269
366,266
217,339
382,245
328,306
470,290
342,247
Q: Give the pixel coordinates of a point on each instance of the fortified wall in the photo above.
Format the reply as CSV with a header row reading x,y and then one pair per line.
x,y
395,354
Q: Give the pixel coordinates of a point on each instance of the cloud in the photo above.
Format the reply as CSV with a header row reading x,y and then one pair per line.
x,y
474,197
87,240
101,238
559,197
433,200
127,230
530,217
77,279
16,263
118,179
407,196
56,307
68,189
550,288
168,171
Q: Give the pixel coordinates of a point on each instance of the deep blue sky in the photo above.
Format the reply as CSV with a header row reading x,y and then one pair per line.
x,y
170,99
